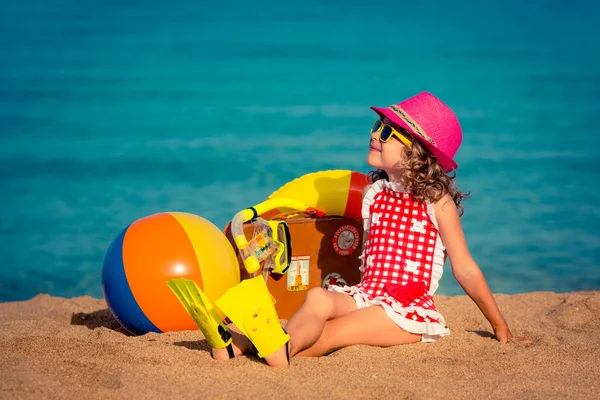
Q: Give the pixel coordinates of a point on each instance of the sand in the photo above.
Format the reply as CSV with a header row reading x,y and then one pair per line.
x,y
57,348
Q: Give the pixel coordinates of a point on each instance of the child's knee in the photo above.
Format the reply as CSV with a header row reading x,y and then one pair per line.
x,y
316,295
319,300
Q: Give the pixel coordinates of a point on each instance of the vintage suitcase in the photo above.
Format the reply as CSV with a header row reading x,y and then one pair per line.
x,y
325,252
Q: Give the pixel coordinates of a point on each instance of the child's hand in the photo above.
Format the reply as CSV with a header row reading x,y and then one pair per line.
x,y
503,334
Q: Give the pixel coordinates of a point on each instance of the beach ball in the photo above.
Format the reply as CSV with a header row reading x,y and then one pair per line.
x,y
154,249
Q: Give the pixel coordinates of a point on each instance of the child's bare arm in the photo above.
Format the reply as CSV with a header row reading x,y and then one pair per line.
x,y
465,269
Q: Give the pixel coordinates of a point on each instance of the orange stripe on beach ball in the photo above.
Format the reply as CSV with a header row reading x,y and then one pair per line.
x,y
155,249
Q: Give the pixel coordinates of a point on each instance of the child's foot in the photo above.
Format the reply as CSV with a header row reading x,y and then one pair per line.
x,y
249,306
240,346
281,358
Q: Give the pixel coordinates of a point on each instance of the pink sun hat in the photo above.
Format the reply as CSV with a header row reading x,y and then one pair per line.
x,y
431,122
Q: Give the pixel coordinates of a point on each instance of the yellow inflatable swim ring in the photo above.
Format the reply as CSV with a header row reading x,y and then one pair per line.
x,y
333,192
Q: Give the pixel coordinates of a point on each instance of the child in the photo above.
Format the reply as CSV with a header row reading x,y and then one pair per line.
x,y
411,214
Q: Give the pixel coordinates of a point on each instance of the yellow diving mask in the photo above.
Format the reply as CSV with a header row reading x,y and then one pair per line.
x,y
271,243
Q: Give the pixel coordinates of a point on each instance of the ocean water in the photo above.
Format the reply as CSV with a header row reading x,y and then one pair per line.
x,y
113,110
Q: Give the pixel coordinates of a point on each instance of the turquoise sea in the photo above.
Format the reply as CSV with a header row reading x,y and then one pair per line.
x,y
113,110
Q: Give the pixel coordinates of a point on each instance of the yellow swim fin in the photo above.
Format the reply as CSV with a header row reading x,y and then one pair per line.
x,y
249,306
202,311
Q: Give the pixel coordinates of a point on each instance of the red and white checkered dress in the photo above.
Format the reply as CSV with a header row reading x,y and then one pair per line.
x,y
402,261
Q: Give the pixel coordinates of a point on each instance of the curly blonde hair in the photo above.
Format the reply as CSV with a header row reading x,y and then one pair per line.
x,y
424,178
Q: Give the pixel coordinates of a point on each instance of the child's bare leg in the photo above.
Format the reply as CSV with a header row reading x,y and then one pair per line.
x,y
241,346
369,326
306,325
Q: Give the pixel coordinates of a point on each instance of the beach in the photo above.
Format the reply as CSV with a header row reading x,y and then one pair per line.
x,y
59,348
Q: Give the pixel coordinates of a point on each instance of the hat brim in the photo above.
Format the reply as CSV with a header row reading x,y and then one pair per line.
x,y
447,163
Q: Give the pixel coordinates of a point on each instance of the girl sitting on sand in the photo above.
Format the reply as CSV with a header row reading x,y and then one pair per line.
x,y
411,214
